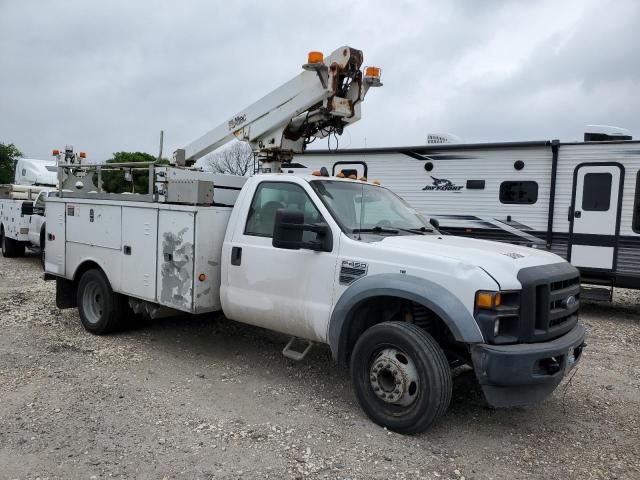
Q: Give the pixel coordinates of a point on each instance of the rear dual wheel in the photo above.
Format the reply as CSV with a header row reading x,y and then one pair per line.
x,y
101,309
10,247
401,377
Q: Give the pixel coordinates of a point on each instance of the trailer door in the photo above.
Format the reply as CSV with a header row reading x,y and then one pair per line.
x,y
595,215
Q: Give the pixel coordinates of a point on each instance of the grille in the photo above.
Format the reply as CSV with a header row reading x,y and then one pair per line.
x,y
550,301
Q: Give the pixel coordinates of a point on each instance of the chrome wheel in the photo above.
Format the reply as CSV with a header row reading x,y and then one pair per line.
x,y
93,302
394,377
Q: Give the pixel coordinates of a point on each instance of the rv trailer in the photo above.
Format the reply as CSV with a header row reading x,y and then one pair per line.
x,y
580,200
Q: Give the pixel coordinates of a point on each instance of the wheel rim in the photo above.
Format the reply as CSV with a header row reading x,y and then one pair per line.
x,y
92,302
394,377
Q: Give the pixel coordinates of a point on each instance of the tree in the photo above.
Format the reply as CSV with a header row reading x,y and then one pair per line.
x,y
115,181
235,160
9,155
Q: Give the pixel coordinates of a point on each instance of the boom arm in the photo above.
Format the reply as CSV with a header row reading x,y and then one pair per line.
x,y
323,99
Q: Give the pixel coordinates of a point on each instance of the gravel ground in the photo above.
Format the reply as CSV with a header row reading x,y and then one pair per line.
x,y
208,398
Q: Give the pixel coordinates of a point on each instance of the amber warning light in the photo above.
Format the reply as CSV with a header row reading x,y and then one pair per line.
x,y
315,57
372,72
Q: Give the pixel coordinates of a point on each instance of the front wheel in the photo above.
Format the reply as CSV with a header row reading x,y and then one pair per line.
x,y
401,377
101,309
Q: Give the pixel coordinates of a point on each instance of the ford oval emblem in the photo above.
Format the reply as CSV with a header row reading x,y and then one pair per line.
x,y
570,301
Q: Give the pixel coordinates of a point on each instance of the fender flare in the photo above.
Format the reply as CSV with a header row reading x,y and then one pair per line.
x,y
425,292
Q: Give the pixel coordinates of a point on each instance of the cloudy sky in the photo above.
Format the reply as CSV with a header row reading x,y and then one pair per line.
x,y
108,76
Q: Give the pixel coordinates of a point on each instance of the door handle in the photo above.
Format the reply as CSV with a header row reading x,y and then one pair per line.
x,y
578,214
236,255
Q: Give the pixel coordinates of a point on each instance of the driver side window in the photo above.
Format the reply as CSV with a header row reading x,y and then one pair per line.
x,y
271,196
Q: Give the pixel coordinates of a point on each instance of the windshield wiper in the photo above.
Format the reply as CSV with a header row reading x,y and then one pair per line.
x,y
375,230
420,230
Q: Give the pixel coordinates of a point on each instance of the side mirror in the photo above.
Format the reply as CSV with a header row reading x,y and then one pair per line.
x,y
289,227
26,208
434,223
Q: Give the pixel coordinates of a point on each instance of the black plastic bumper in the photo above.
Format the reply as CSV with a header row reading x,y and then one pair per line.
x,y
517,375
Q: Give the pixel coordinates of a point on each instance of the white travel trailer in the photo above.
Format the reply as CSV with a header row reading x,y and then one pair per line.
x,y
580,200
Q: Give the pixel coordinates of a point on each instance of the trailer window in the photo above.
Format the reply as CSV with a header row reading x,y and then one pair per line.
x,y
596,192
525,193
271,196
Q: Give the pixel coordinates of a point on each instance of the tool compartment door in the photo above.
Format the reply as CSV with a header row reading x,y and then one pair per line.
x,y
55,239
175,259
139,255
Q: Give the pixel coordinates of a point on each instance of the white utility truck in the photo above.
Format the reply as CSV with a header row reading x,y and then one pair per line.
x,y
22,205
339,261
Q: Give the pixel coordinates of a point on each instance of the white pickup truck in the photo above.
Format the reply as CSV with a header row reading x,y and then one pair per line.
x,y
336,261
324,259
22,221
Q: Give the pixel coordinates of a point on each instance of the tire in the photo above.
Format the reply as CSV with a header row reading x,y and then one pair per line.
x,y
101,309
11,248
401,377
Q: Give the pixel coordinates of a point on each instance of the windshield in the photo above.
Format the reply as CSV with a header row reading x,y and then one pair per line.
x,y
362,207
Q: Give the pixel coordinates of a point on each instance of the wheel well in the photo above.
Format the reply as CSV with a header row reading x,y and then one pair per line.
x,y
88,265
374,310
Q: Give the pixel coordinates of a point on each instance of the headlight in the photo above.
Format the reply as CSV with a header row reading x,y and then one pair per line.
x,y
498,315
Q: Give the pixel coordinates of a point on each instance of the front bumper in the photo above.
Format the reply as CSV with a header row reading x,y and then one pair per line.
x,y
526,373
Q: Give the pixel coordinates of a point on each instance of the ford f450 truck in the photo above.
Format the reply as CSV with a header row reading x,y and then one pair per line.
x,y
322,259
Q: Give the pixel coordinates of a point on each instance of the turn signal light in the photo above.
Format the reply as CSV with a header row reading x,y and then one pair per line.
x,y
83,154
315,57
372,72
56,152
488,300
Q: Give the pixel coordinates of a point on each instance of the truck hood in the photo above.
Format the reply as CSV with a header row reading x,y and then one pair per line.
x,y
502,261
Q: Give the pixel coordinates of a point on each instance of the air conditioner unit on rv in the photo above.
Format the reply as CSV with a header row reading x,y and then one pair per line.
x,y
604,133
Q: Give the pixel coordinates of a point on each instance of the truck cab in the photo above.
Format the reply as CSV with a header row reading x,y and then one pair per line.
x,y
362,257
37,220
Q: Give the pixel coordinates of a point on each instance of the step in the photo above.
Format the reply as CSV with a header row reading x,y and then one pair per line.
x,y
596,294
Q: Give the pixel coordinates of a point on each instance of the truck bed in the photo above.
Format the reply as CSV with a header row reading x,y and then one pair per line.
x,y
161,253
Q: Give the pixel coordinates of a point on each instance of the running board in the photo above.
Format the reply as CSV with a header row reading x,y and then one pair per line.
x,y
296,355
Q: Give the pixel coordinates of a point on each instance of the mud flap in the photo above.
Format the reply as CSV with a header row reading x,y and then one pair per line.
x,y
65,293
